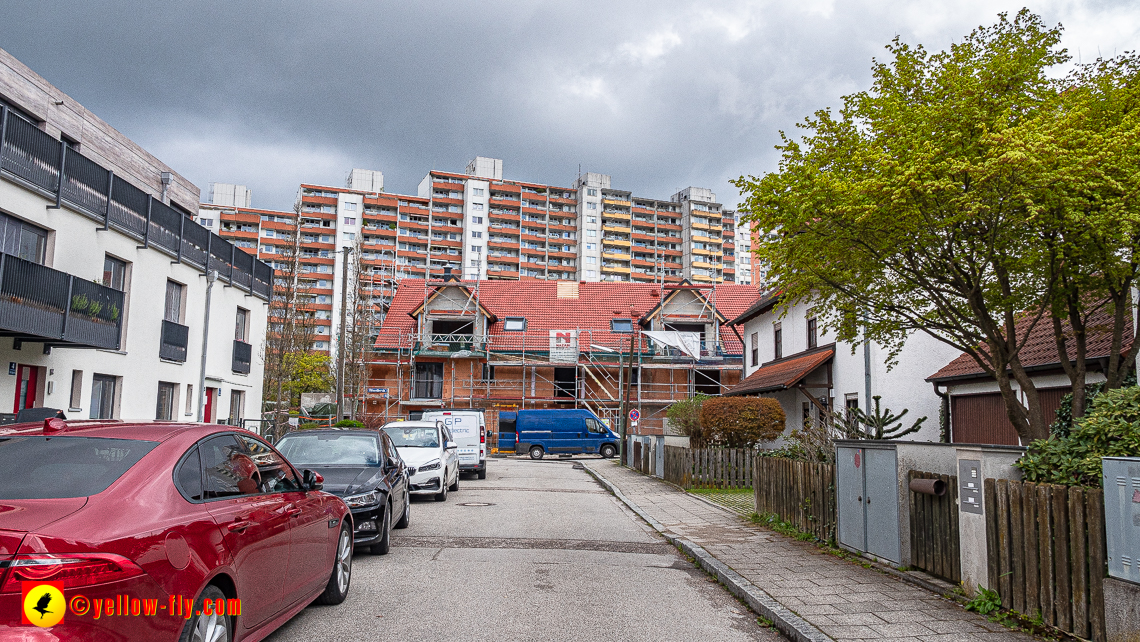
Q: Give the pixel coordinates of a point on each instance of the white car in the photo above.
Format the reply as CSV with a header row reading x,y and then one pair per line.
x,y
429,448
469,429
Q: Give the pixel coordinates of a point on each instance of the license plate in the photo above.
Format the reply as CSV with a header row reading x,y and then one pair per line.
x,y
468,454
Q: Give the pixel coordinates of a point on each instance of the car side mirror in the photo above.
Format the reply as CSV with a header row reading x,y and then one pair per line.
x,y
312,480
451,445
411,471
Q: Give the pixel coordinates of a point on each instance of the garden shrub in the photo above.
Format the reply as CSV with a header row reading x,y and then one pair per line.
x,y
742,422
686,416
1110,428
348,423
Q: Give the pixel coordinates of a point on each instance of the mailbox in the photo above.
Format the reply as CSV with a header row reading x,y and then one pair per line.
x,y
970,485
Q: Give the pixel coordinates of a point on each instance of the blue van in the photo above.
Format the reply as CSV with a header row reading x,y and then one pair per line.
x,y
562,432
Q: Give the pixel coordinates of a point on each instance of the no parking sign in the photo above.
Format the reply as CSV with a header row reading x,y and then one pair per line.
x,y
634,415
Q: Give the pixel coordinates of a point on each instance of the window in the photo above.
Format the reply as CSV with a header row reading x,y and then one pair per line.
x,y
173,312
23,240
566,382
590,247
514,324
241,331
103,396
778,341
167,401
350,236
591,260
476,207
76,390
237,407
350,207
707,382
622,326
755,348
475,234
635,376
114,273
592,219
595,426
428,381
806,414
477,220
591,274
229,470
476,191
591,234
189,400
811,333
476,248
591,206
850,404
591,192
488,372
349,220
189,475
207,222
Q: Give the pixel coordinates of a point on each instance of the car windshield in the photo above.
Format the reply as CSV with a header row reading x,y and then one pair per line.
x,y
324,449
413,436
60,467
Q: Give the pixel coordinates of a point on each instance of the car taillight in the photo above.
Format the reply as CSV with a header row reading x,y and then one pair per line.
x,y
73,570
516,438
482,435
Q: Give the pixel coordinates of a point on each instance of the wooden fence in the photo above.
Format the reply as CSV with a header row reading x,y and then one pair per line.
x,y
934,529
709,467
799,492
1046,546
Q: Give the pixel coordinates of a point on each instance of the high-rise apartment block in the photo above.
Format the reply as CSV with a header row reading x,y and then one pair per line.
x,y
478,225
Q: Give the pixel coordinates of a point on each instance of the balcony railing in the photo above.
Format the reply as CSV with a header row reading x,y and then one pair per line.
x,y
48,165
175,337
243,355
38,303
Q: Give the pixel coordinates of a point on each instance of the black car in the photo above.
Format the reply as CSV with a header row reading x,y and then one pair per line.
x,y
363,468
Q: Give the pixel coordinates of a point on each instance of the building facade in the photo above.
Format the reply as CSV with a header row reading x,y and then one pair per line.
x,y
104,276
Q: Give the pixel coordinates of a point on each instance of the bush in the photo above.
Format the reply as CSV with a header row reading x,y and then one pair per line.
x,y
348,423
686,415
742,422
1110,428
310,425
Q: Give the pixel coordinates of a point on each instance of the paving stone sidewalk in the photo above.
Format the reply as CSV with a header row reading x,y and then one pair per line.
x,y
842,599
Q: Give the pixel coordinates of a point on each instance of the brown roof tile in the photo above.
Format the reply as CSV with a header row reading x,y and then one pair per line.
x,y
783,374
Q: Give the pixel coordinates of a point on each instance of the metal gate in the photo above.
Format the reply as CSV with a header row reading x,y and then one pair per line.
x,y
868,500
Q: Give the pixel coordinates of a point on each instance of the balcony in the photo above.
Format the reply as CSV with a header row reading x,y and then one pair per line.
x,y
44,305
243,355
175,337
34,158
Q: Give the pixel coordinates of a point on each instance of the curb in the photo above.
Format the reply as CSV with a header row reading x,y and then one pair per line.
x,y
785,621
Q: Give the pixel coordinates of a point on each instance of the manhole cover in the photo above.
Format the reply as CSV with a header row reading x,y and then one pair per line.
x,y
578,467
476,504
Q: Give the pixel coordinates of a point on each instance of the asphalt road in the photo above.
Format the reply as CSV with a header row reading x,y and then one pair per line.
x,y
537,551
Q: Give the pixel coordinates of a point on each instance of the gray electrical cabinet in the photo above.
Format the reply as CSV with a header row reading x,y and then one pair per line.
x,y
867,488
1122,516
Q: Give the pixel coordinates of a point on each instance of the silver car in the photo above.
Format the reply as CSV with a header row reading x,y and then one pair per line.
x,y
427,446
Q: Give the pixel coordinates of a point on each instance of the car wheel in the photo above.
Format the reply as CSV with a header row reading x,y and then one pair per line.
x,y
454,487
608,451
536,452
337,588
385,543
483,473
207,628
441,496
406,518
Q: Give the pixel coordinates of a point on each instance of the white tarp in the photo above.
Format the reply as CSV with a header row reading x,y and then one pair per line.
x,y
687,342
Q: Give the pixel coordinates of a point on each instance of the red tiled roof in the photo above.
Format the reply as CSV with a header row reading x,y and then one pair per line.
x,y
783,374
1040,350
538,301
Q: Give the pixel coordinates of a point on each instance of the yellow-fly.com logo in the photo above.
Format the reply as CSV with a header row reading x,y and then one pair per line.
x,y
43,603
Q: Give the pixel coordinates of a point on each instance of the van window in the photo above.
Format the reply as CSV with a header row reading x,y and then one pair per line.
x,y
595,426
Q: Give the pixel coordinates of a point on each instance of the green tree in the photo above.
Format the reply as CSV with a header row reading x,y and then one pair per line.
x,y
308,372
878,424
686,416
742,422
950,199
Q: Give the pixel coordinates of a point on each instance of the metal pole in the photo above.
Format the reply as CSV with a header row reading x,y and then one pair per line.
x,y
340,340
621,406
211,276
866,366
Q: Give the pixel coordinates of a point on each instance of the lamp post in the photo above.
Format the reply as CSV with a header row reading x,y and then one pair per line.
x,y
340,341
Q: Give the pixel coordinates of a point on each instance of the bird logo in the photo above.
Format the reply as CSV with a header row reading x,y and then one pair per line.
x,y
44,604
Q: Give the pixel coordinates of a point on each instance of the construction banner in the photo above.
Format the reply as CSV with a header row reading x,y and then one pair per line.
x,y
564,346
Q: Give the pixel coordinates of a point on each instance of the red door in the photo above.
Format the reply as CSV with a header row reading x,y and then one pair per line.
x,y
208,413
25,387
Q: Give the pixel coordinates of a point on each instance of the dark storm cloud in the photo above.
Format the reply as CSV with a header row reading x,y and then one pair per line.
x,y
660,95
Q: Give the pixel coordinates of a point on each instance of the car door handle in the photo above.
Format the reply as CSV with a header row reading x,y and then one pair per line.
x,y
239,526
293,511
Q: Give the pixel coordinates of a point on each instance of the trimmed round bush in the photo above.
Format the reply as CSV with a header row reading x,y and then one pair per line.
x,y
742,422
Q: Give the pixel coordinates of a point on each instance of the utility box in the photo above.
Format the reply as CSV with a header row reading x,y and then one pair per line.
x,y
867,498
970,486
1122,516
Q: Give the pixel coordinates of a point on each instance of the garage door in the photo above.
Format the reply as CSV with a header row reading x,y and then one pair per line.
x,y
982,419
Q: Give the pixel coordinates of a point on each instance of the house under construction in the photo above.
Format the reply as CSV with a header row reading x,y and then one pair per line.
x,y
499,345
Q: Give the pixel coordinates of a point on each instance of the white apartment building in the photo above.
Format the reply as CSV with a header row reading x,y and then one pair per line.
x,y
791,358
104,276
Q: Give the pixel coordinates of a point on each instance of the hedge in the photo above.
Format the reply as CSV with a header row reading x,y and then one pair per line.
x,y
742,422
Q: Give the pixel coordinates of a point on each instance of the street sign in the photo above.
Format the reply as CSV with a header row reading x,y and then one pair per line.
x,y
634,415
383,392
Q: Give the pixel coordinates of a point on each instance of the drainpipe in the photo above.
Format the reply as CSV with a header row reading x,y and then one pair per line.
x,y
211,276
944,418
866,365
167,179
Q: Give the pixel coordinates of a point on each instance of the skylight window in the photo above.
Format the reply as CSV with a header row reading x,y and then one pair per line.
x,y
621,326
514,324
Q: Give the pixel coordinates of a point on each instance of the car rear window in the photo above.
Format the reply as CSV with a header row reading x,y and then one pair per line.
x,y
59,467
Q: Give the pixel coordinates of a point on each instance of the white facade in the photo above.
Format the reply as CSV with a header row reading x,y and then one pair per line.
x,y
590,186
364,180
230,195
901,387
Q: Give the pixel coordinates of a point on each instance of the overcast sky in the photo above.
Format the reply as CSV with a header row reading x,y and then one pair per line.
x,y
658,94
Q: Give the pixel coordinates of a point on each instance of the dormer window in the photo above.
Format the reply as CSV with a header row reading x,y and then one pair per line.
x,y
621,326
514,324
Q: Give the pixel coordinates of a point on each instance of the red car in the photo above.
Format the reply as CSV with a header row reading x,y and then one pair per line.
x,y
203,530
